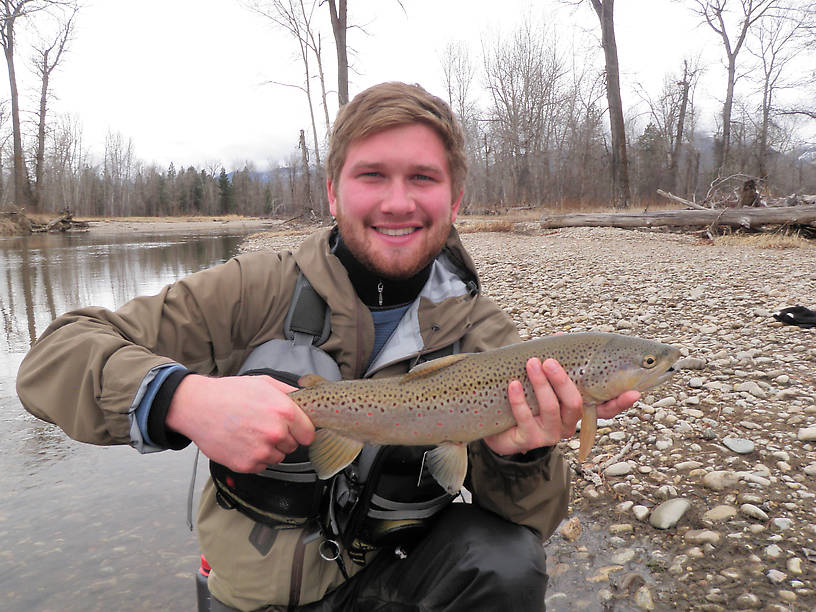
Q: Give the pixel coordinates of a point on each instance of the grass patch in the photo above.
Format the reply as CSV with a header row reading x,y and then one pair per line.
x,y
472,227
776,240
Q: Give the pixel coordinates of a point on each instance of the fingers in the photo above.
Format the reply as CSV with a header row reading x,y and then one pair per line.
x,y
566,394
615,406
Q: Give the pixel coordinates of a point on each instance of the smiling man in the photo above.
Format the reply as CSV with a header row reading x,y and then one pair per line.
x,y
389,287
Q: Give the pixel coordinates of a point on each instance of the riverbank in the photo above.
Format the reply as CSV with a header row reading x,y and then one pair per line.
x,y
730,442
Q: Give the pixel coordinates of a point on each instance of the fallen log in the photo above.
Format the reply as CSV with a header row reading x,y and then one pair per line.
x,y
747,218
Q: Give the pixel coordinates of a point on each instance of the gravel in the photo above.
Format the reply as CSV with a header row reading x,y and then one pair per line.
x,y
733,434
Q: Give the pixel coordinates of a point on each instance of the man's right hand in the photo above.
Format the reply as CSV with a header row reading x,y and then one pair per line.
x,y
242,422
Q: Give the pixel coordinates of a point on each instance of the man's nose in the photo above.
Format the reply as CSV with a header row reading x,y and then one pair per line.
x,y
398,199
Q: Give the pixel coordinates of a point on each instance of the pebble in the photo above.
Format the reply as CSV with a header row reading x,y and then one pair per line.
x,y
752,511
720,480
776,576
740,446
806,434
640,512
643,598
782,523
795,566
571,529
748,600
619,469
667,514
702,536
721,513
773,551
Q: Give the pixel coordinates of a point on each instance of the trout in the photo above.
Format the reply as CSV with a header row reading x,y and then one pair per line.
x,y
451,401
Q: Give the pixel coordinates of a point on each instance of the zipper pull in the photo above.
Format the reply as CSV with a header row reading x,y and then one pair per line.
x,y
380,290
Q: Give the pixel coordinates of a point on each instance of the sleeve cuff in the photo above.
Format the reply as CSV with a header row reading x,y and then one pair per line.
x,y
157,431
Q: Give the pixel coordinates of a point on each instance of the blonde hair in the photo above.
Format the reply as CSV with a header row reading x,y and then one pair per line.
x,y
394,104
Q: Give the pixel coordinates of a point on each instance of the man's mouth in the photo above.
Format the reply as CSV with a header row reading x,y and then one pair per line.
x,y
396,231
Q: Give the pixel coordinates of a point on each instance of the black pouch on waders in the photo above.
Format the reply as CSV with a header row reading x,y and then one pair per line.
x,y
381,500
289,493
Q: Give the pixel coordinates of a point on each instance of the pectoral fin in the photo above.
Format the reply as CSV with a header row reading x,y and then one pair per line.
x,y
429,368
331,452
589,426
447,463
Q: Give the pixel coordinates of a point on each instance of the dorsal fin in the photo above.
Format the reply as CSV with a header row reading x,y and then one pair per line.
x,y
429,368
311,380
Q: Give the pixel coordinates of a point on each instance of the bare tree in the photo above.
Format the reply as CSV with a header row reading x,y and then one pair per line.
x,y
10,12
779,39
717,15
296,19
339,17
47,56
620,167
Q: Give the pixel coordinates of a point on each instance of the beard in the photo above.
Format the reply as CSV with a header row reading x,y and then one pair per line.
x,y
392,262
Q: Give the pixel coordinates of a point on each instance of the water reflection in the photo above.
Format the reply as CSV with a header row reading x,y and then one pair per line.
x,y
86,527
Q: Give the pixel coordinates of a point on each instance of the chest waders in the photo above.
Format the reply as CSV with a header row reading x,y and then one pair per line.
x,y
377,501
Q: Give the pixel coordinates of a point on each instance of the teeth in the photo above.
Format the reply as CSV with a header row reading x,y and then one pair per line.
x,y
395,232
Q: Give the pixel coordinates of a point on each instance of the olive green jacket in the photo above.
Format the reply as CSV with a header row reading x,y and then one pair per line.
x,y
87,372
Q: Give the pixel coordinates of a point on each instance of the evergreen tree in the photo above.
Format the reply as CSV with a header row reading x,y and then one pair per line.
x,y
225,195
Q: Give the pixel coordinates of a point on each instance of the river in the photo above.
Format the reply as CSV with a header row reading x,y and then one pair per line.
x,y
85,527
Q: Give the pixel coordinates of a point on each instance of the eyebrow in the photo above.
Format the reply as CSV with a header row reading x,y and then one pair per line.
x,y
417,168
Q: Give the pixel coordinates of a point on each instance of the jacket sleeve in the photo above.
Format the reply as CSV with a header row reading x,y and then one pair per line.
x,y
534,493
86,371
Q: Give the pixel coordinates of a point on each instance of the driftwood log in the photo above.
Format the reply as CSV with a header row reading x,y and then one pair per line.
x,y
747,218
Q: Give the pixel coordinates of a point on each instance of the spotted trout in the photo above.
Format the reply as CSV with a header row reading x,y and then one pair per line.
x,y
454,400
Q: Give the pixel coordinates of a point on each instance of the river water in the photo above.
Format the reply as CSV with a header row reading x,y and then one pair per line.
x,y
85,527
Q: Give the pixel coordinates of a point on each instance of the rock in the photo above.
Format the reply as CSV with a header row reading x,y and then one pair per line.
x,y
640,512
782,523
667,514
643,598
621,528
664,444
623,557
751,387
690,363
810,470
571,529
619,469
740,446
752,511
806,434
720,513
624,507
702,536
685,466
719,480
775,576
773,551
748,601
696,382
795,566
666,401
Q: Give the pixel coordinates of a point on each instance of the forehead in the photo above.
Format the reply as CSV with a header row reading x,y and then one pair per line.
x,y
412,143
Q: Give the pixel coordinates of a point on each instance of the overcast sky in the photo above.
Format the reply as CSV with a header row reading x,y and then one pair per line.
x,y
188,80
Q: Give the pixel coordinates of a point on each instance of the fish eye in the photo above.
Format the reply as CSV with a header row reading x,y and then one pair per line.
x,y
649,361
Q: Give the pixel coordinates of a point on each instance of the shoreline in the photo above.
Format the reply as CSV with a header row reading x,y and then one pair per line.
x,y
114,227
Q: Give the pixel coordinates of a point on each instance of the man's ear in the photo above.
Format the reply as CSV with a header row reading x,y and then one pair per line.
x,y
455,205
332,194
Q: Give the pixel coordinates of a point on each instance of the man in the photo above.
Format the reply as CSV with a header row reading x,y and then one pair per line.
x,y
400,289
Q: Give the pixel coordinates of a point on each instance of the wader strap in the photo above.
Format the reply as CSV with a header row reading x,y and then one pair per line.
x,y
191,490
308,314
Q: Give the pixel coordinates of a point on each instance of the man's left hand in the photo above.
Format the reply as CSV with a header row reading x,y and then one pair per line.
x,y
559,404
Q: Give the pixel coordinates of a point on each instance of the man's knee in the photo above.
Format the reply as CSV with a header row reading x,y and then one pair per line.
x,y
494,545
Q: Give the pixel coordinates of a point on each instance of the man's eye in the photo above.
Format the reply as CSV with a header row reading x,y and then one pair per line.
x,y
370,174
422,177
